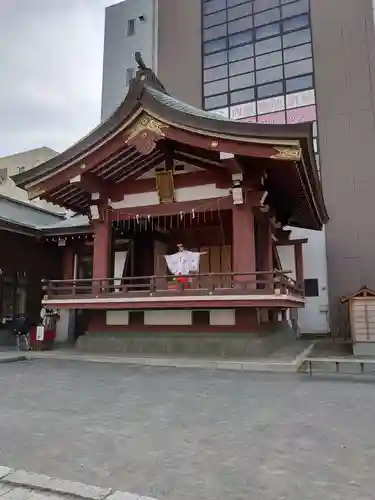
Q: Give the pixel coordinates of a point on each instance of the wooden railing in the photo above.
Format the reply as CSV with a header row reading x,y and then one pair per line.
x,y
264,282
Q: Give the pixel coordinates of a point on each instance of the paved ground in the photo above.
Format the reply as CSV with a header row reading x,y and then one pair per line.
x,y
190,434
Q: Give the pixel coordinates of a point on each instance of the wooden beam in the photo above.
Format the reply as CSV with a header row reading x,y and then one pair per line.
x,y
205,205
250,149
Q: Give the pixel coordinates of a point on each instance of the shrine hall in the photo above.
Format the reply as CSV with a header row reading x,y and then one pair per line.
x,y
179,217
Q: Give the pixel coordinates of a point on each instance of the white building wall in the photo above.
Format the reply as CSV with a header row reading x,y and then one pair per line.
x,y
14,164
314,317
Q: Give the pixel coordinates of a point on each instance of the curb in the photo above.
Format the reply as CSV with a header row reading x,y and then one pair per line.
x,y
265,366
12,358
40,482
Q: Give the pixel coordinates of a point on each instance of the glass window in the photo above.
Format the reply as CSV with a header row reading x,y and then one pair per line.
x,y
243,66
241,81
268,60
268,45
231,3
215,59
311,287
215,45
217,87
269,16
296,22
260,5
267,30
297,53
242,10
269,75
241,38
218,101
270,90
297,38
213,6
131,27
216,73
216,18
241,52
299,83
298,68
295,8
240,25
245,95
215,32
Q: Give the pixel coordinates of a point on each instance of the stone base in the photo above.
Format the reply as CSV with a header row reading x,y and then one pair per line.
x,y
205,345
364,349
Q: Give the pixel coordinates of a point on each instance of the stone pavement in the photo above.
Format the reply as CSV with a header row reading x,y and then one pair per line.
x,y
178,433
22,485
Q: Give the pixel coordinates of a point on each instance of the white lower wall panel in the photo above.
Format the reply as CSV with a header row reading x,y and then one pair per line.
x,y
168,318
117,318
223,317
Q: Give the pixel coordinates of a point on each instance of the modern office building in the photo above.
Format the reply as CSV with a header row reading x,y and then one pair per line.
x,y
275,61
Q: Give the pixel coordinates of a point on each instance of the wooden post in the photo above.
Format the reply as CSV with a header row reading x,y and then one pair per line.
x,y
267,250
298,257
101,249
243,241
68,263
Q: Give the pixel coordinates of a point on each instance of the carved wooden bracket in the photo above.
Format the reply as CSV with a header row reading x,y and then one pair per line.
x,y
145,133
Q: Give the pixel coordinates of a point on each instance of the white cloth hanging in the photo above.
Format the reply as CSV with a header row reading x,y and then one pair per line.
x,y
183,263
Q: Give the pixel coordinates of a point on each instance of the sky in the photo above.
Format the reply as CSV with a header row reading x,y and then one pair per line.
x,y
51,54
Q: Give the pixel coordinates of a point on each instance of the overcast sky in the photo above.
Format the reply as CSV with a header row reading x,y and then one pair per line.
x,y
50,71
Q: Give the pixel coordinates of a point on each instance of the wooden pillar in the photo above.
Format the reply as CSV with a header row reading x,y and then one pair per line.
x,y
267,251
298,257
101,249
243,240
68,263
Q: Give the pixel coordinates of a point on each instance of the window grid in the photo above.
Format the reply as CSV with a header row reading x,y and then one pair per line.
x,y
224,63
287,22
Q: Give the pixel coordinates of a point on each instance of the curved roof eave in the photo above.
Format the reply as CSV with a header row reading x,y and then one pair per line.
x,y
84,146
173,110
147,92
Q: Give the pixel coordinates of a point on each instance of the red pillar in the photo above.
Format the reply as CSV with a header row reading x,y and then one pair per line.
x,y
298,257
68,263
100,260
243,241
267,250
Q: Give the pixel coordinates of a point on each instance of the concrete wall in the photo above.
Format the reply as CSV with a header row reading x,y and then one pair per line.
x,y
344,54
180,49
26,160
119,48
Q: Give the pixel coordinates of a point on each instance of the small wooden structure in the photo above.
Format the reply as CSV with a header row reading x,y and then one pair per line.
x,y
362,320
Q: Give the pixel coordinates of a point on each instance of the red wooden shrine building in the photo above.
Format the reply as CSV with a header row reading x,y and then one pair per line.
x,y
158,173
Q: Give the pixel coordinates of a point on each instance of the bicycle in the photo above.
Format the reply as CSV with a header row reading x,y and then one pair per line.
x,y
22,341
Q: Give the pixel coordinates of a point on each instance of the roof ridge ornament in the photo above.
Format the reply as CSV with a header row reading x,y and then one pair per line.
x,y
146,75
139,60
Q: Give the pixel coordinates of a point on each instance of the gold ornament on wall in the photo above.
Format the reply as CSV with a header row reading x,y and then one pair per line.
x,y
289,154
145,133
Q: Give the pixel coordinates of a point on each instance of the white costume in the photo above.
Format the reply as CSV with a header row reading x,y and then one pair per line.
x,y
183,263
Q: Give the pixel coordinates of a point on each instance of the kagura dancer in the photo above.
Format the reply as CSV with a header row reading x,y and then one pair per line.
x,y
183,263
